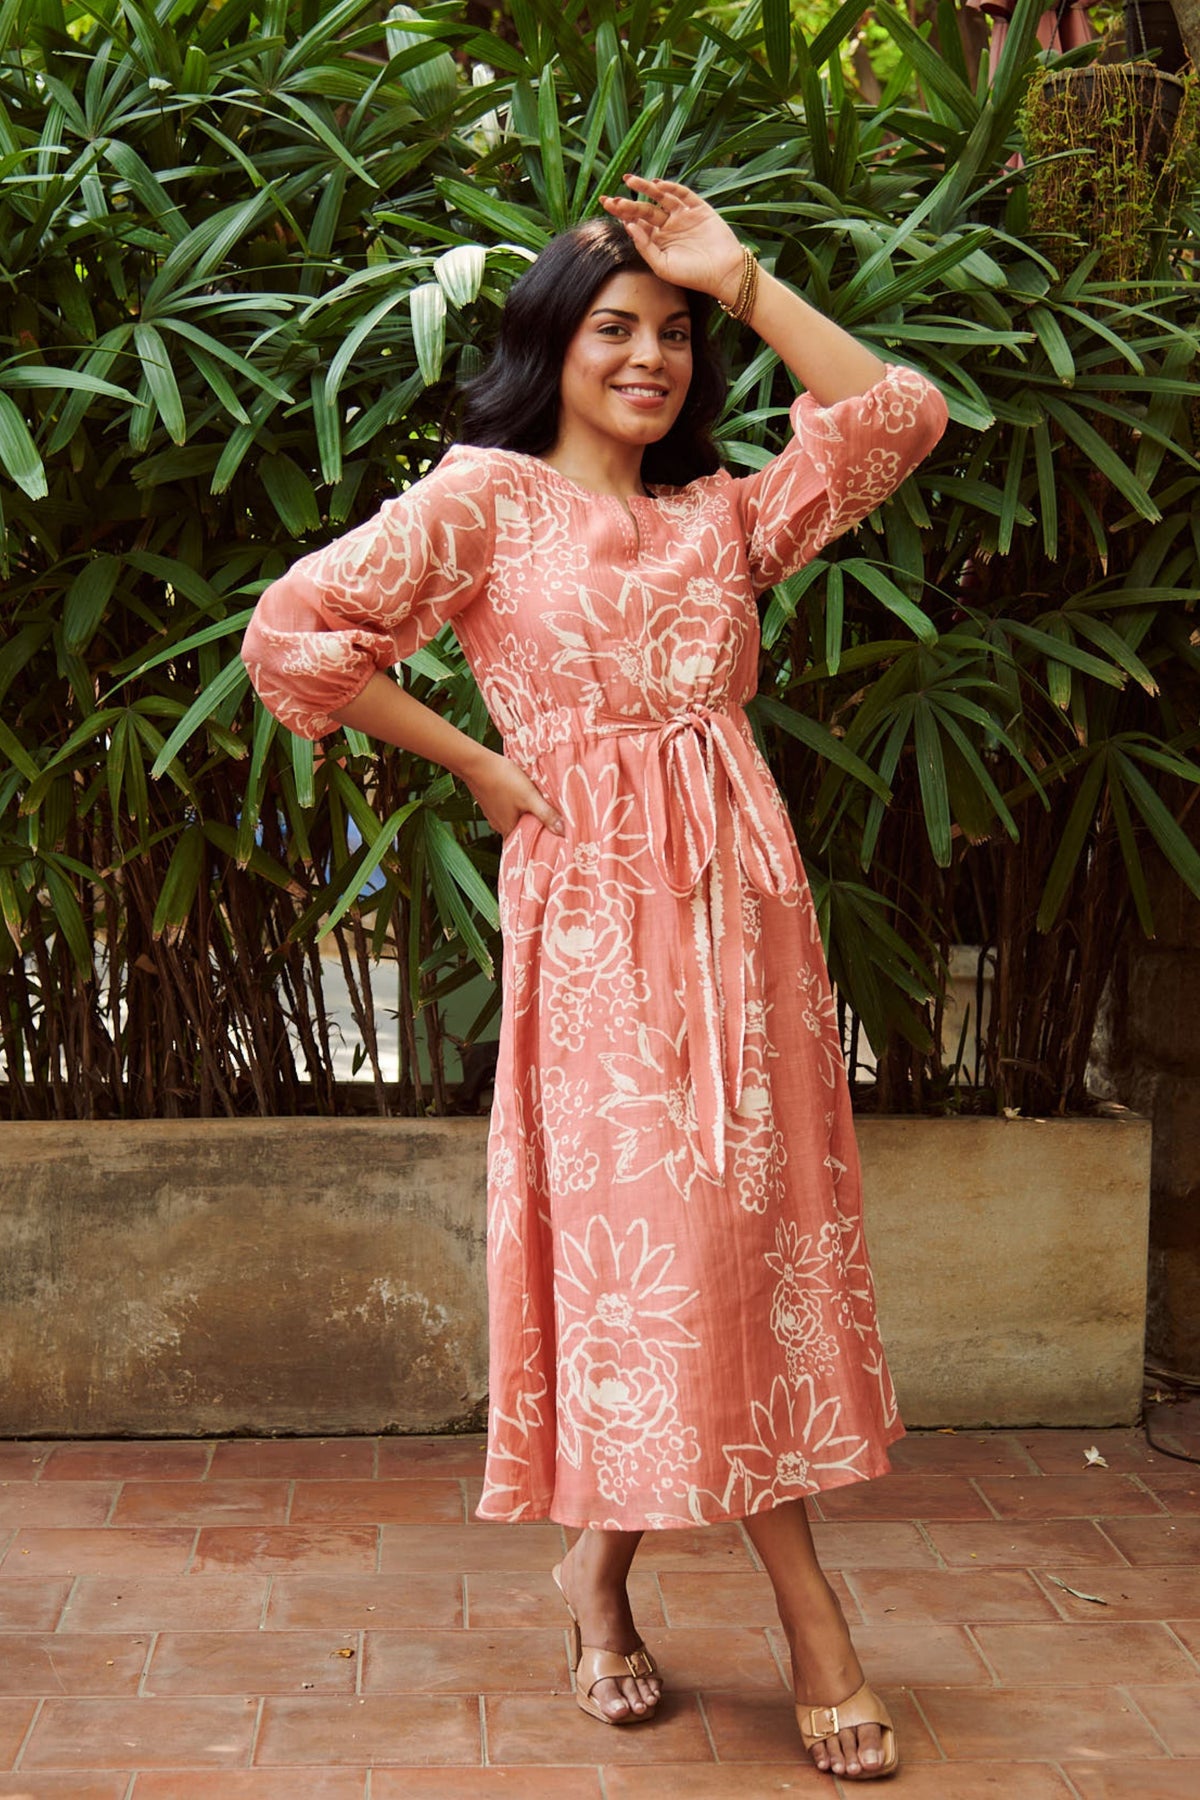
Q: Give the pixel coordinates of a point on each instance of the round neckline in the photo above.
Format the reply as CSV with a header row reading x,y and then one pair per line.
x,y
576,487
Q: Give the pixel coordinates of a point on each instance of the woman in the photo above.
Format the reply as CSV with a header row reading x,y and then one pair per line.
x,y
682,1318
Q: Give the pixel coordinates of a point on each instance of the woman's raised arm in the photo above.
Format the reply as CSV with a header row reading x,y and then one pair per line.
x,y
686,241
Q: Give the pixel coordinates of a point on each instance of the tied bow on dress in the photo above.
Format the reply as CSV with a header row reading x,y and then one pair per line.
x,y
698,769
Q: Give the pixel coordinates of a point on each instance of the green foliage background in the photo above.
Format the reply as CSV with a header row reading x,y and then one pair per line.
x,y
247,250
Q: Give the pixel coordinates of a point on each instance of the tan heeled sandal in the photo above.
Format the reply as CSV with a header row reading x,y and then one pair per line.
x,y
863,1708
591,1666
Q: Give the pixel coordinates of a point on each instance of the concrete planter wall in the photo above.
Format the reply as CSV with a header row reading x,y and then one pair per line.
x,y
328,1277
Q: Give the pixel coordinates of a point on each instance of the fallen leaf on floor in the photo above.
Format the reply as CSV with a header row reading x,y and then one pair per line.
x,y
346,1653
1094,1598
1093,1459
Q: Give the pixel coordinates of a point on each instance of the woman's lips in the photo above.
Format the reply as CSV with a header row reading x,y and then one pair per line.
x,y
644,398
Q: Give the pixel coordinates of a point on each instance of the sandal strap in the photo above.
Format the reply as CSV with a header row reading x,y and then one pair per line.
x,y
862,1708
609,1665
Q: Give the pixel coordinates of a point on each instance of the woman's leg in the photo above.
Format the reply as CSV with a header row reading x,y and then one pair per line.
x,y
825,1669
594,1572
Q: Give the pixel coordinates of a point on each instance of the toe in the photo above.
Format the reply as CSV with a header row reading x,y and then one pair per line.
x,y
870,1748
848,1744
820,1755
610,1698
635,1700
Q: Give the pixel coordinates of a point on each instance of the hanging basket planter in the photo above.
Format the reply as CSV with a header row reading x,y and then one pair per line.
x,y
1131,128
1137,101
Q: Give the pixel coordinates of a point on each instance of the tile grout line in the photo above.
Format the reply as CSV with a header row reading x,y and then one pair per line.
x,y
927,1723
973,1481
1127,1695
981,1652
483,1732
268,1596
151,1648
128,1794
1125,1562
784,1675
260,1708
756,1562
291,1500
1150,1494
192,1554
1062,1615
854,1595
923,1531
1190,1654
1076,1793
1035,1467
662,1598
65,1608
114,1503
712,1742
24,1745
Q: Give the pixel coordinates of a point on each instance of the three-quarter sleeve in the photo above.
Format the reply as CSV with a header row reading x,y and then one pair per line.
x,y
843,461
372,597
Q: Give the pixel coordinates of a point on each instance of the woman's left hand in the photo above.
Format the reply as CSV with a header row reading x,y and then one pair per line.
x,y
681,237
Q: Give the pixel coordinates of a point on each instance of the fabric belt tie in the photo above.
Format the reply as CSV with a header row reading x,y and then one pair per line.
x,y
700,767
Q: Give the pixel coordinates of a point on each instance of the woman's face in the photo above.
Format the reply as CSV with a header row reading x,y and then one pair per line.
x,y
628,368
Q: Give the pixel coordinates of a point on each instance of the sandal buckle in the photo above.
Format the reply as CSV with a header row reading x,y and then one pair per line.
x,y
640,1663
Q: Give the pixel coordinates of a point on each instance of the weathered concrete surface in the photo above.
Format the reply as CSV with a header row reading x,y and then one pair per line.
x,y
326,1277
283,1275
1010,1263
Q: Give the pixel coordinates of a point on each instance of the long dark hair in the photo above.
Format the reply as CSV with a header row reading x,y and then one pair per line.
x,y
514,403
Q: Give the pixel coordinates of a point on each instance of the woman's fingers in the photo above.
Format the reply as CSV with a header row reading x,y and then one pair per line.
x,y
548,816
673,190
632,212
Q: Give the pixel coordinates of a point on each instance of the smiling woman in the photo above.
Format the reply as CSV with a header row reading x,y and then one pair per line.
x,y
550,317
681,1310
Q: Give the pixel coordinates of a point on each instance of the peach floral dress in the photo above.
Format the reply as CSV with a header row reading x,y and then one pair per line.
x,y
682,1317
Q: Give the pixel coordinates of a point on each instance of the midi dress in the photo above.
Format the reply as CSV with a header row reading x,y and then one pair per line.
x,y
681,1312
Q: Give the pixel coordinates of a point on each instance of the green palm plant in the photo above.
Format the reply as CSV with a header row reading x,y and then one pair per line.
x,y
249,251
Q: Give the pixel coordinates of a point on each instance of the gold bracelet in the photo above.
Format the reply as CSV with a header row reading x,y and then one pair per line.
x,y
743,306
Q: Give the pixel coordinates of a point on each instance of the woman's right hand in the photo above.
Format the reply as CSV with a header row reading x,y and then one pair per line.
x,y
503,792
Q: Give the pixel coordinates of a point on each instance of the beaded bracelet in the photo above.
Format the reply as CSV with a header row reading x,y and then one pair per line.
x,y
743,306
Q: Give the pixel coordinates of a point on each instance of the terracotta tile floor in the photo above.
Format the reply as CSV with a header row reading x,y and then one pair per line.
x,y
302,1620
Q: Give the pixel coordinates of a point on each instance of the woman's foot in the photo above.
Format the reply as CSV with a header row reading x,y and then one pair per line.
x,y
592,1578
826,1673
825,1670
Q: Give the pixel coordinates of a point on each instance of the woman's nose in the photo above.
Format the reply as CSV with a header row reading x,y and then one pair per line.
x,y
646,350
